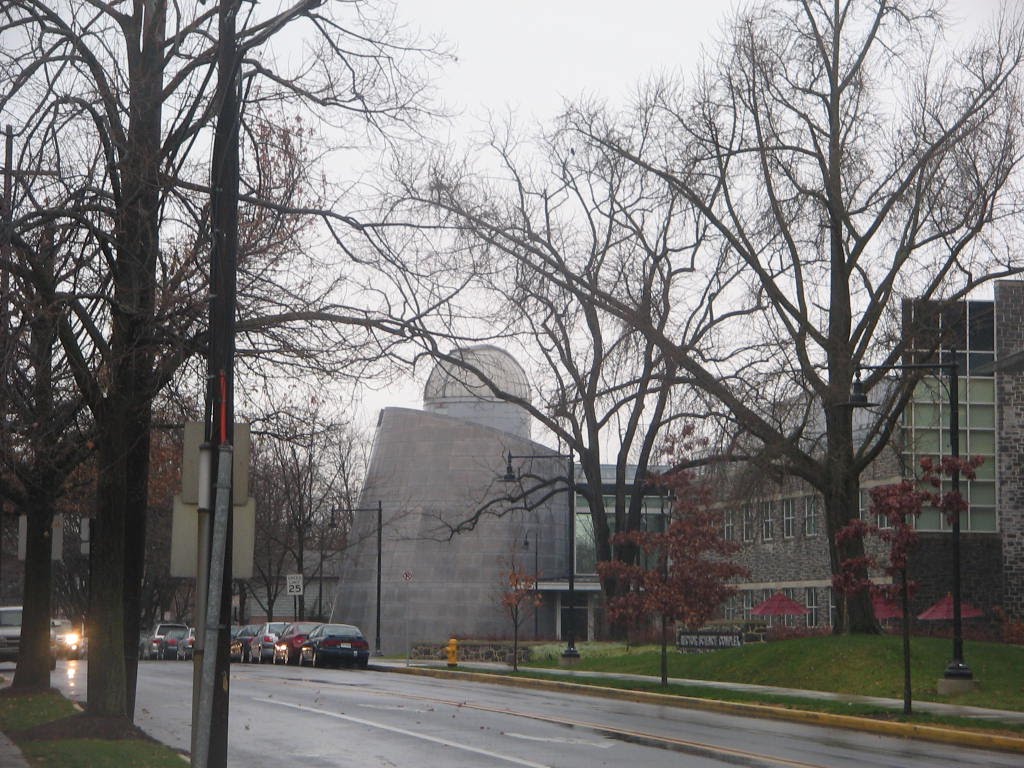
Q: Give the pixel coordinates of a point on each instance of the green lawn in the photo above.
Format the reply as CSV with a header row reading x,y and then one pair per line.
x,y
865,665
20,712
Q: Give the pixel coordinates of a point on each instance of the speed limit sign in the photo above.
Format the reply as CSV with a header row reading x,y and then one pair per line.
x,y
293,584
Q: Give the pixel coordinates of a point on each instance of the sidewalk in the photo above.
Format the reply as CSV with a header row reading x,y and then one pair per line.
x,y
10,755
931,707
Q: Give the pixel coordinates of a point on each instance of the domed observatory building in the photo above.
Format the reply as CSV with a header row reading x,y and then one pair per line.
x,y
447,537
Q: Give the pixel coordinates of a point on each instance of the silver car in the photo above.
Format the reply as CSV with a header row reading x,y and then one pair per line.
x,y
261,645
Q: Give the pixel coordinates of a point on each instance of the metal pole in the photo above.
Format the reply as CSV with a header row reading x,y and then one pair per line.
x,y
380,521
204,726
570,651
536,582
957,667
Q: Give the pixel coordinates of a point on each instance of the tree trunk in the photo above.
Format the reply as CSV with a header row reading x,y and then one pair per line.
x,y
33,672
842,504
107,681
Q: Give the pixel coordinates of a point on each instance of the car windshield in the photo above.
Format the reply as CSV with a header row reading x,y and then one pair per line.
x,y
176,632
10,617
276,627
303,629
346,630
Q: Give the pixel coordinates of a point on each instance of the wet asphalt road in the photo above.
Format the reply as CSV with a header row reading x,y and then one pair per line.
x,y
366,719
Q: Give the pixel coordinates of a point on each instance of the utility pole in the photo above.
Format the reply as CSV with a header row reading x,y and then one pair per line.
x,y
212,727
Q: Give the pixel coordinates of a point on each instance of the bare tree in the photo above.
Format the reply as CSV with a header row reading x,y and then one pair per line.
x,y
309,472
608,393
120,100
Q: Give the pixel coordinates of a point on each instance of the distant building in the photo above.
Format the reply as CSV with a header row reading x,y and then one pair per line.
x,y
432,470
781,528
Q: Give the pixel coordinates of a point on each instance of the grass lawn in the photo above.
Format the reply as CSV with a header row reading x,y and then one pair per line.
x,y
22,716
863,665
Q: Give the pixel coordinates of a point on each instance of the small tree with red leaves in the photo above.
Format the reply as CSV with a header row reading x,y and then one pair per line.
x,y
893,515
519,593
691,565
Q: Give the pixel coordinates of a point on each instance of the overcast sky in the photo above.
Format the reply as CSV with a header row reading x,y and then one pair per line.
x,y
527,56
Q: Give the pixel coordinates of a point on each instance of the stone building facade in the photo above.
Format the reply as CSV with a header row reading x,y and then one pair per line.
x,y
780,525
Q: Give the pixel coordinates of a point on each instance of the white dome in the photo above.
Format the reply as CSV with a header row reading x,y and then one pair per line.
x,y
450,382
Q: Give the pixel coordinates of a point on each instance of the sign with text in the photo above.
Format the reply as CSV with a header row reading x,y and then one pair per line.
x,y
708,639
293,584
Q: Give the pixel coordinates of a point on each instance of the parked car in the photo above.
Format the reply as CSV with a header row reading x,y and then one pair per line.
x,y
239,648
152,645
261,644
69,641
173,639
286,649
187,646
10,635
335,644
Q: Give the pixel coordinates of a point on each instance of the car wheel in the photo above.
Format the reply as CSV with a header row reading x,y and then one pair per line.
x,y
316,659
364,663
293,660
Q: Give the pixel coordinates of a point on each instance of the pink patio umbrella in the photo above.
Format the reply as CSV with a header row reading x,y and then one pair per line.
x,y
885,609
943,610
779,605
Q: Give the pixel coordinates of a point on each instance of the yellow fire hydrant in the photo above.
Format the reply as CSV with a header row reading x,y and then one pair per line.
x,y
452,652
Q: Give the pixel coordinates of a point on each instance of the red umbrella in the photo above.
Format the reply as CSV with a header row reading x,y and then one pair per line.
x,y
943,610
885,609
779,605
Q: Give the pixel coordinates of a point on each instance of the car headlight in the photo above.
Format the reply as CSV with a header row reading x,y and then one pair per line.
x,y
71,638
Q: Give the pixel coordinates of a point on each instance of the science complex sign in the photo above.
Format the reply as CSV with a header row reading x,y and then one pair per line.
x,y
708,639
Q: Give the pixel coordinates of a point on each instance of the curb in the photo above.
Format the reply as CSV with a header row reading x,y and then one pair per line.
x,y
931,733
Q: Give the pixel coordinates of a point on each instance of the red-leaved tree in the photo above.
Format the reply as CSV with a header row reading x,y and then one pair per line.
x,y
688,567
894,511
519,594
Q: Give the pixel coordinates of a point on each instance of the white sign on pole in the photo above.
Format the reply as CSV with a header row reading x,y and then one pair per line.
x,y
293,584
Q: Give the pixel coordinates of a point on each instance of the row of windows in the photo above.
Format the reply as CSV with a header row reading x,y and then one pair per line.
x,y
795,516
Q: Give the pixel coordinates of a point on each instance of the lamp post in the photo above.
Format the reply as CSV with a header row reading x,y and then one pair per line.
x,y
536,575
957,669
570,651
380,518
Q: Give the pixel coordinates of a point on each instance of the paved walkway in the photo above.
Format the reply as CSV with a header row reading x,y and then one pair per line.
x,y
10,755
932,707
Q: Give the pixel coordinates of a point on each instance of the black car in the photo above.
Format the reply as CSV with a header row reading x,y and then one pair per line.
x,y
173,638
240,642
335,644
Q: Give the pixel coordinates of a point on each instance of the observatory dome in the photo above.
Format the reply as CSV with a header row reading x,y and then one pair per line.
x,y
455,391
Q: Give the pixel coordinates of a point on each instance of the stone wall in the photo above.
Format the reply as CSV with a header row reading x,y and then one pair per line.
x,y
1009,301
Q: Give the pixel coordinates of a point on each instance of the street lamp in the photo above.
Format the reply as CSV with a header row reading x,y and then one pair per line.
x,y
957,669
537,572
379,510
570,651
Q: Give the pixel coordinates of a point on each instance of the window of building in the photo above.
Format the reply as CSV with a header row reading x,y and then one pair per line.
x,y
968,327
730,526
811,515
748,524
767,523
811,601
788,518
748,604
792,594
